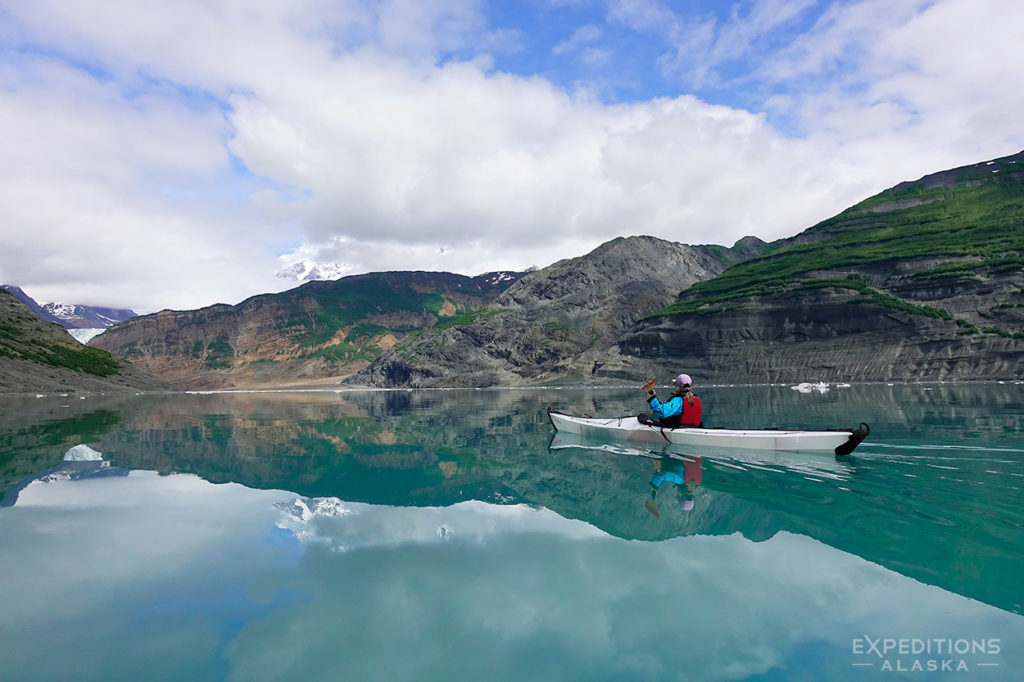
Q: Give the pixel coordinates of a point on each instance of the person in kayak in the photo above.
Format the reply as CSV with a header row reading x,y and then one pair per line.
x,y
682,409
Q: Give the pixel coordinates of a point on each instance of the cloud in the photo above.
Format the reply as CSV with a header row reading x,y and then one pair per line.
x,y
95,190
584,35
408,160
168,157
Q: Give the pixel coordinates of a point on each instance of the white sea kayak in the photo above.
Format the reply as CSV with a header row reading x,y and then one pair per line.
x,y
839,441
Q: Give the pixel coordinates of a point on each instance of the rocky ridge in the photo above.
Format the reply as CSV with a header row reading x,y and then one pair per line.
x,y
924,281
315,334
556,324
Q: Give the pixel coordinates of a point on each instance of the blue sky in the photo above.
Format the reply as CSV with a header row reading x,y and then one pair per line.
x,y
180,155
631,52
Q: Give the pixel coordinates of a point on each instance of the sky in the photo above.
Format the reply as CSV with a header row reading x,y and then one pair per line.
x,y
177,155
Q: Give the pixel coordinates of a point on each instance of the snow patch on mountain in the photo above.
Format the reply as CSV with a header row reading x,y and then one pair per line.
x,y
499,277
63,311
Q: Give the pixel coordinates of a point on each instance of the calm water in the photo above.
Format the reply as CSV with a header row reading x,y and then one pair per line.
x,y
447,535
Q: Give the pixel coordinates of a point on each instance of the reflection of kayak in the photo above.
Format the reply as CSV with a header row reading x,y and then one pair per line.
x,y
839,441
807,462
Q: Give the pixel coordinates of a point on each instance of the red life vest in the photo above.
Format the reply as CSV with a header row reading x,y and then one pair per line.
x,y
691,412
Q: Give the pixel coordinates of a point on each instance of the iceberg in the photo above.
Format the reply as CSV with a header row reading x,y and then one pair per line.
x,y
807,387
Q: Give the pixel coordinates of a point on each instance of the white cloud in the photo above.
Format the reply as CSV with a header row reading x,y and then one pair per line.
x,y
164,156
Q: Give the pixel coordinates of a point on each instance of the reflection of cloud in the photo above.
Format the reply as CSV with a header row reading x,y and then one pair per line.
x,y
541,602
462,592
351,525
299,513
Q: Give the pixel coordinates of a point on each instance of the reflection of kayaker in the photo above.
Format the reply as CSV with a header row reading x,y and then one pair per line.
x,y
686,474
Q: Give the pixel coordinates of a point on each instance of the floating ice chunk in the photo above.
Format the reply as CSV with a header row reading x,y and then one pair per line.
x,y
807,387
444,531
82,453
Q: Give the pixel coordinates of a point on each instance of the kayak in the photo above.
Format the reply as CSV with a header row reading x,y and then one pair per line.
x,y
839,441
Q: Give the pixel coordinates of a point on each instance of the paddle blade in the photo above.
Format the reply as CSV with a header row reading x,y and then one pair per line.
x,y
650,384
652,507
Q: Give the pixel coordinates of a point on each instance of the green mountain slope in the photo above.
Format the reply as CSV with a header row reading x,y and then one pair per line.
x,y
969,220
922,281
41,356
317,332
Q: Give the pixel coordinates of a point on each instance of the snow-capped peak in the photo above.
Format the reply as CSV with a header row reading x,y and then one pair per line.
x,y
64,311
307,270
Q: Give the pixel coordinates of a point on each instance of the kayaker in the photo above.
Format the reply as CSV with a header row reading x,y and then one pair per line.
x,y
682,409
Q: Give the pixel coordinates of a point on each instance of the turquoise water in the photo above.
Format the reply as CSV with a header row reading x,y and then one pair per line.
x,y
442,535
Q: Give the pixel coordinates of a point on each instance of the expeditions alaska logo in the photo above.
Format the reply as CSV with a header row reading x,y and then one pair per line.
x,y
914,654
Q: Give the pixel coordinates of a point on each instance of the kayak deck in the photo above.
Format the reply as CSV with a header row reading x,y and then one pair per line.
x,y
839,441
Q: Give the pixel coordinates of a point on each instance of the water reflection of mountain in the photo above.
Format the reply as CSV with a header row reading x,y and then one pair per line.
x,y
885,503
67,470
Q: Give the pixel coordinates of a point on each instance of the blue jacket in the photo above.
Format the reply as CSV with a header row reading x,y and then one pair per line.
x,y
671,476
669,409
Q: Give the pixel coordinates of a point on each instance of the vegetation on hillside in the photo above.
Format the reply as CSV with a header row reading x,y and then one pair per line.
x,y
323,308
23,336
975,221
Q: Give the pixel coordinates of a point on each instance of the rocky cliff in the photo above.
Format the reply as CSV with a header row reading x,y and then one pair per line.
x,y
924,281
314,334
41,357
554,325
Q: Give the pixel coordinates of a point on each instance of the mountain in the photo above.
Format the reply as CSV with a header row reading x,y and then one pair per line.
x,y
556,324
39,356
316,333
72,316
924,281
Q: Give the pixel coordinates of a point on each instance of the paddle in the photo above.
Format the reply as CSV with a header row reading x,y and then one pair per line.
x,y
652,507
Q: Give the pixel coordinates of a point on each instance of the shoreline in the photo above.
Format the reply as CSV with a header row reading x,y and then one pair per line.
x,y
321,388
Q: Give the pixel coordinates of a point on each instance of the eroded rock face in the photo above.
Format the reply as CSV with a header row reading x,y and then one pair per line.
x,y
816,336
924,281
555,325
